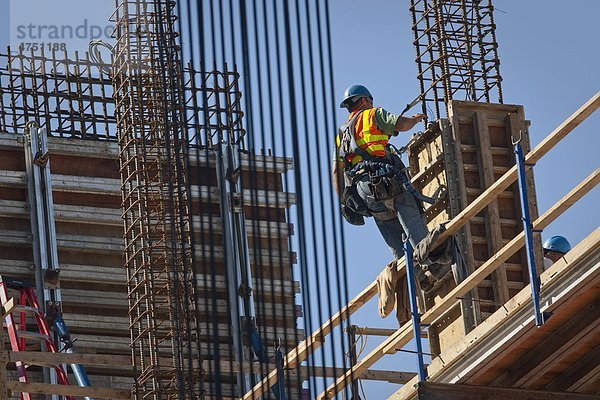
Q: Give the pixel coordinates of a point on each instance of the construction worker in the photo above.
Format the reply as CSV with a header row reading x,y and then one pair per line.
x,y
367,174
554,248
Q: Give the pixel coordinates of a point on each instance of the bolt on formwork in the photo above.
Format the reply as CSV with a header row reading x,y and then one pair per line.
x,y
163,308
456,52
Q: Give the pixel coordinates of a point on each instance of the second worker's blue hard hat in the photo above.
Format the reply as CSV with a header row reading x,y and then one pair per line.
x,y
355,92
558,244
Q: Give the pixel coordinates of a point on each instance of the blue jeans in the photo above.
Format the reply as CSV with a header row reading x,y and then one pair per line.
x,y
409,221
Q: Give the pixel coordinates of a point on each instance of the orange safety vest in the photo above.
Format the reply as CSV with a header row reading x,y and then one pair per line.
x,y
367,135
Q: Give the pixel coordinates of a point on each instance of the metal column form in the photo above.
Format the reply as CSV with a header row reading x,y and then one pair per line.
x,y
414,308
236,256
534,278
43,228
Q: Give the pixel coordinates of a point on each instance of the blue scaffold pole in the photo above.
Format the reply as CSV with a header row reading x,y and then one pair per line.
x,y
65,338
414,309
528,229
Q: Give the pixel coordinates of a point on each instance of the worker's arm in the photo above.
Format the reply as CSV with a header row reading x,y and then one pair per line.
x,y
337,175
407,123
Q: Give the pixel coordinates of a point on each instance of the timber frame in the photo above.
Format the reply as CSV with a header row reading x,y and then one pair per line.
x,y
404,334
465,154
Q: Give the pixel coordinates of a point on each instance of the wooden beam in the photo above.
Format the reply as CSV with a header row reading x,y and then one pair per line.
x,y
404,334
578,375
396,377
378,331
465,229
45,388
492,212
446,391
43,358
511,247
551,350
110,150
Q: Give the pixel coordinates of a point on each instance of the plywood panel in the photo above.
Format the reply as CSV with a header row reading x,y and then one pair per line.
x,y
476,150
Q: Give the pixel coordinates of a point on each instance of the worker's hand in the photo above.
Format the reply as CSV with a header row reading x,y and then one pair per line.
x,y
419,117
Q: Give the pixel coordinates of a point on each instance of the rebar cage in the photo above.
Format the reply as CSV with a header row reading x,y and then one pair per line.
x,y
456,52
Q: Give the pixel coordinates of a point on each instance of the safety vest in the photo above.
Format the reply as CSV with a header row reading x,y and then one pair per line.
x,y
360,138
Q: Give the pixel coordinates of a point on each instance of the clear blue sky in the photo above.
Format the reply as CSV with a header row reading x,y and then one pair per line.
x,y
550,63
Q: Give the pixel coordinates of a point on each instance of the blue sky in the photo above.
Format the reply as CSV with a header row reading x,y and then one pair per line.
x,y
550,63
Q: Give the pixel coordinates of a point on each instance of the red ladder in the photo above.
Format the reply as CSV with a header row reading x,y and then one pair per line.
x,y
18,334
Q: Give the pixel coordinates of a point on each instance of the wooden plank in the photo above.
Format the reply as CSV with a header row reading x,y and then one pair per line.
x,y
395,377
445,391
471,312
465,232
112,217
358,330
45,388
44,358
267,287
579,375
110,150
112,187
551,350
510,248
493,228
496,151
107,245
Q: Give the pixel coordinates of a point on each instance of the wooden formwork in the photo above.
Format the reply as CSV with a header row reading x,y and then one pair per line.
x,y
87,201
466,153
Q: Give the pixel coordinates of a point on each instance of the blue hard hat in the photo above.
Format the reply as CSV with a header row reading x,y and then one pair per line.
x,y
557,244
355,92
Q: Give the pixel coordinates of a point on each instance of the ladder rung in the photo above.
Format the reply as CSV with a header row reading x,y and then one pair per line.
x,y
26,309
33,336
10,307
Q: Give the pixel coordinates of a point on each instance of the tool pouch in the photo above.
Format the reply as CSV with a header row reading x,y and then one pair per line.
x,y
352,217
384,187
354,208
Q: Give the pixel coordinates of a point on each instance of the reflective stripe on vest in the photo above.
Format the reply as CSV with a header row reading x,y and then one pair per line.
x,y
368,136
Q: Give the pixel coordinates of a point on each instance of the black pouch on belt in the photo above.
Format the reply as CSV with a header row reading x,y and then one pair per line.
x,y
384,187
354,208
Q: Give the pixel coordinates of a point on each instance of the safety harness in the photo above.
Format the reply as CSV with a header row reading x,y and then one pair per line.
x,y
387,175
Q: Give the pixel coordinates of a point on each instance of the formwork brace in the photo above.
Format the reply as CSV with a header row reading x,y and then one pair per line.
x,y
414,308
534,278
